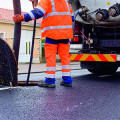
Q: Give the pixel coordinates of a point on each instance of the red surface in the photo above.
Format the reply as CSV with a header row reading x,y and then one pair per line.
x,y
6,14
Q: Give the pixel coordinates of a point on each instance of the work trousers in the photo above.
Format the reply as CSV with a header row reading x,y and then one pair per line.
x,y
51,48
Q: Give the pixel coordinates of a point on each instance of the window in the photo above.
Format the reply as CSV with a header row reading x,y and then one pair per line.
x,y
2,35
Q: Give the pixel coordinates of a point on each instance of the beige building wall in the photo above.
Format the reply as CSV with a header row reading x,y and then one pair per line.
x,y
8,29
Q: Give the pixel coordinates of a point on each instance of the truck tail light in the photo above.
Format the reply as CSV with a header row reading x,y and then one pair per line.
x,y
76,39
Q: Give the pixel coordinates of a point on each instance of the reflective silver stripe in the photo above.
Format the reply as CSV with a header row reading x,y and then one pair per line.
x,y
66,74
50,75
72,14
50,68
56,13
65,66
53,5
67,5
31,15
56,27
40,8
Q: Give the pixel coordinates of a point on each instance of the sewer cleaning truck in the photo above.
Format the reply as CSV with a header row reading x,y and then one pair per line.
x,y
96,42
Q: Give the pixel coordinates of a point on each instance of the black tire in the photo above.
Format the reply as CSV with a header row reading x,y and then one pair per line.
x,y
105,68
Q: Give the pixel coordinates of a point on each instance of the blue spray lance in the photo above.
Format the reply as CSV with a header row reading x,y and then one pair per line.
x,y
34,3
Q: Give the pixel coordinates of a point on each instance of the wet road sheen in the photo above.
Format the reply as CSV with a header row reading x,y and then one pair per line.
x,y
91,98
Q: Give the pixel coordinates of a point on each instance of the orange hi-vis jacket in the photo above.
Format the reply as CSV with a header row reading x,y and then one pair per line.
x,y
57,20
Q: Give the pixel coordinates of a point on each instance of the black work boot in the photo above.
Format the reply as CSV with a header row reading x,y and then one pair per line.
x,y
65,84
44,84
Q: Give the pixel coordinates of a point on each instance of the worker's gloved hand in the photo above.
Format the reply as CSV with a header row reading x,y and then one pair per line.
x,y
18,18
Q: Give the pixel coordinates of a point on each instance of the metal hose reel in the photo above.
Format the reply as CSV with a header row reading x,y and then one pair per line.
x,y
8,65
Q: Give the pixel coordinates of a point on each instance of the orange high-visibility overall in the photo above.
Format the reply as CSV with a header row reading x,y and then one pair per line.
x,y
57,22
56,25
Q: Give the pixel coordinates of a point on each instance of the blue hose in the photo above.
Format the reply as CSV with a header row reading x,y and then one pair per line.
x,y
75,15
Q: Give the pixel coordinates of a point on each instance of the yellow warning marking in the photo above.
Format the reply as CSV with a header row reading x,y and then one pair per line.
x,y
96,58
73,56
84,57
109,58
108,3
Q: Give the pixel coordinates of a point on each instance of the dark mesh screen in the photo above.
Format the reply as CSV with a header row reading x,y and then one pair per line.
x,y
8,65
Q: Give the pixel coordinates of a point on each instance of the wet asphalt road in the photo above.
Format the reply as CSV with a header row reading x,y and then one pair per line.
x,y
91,98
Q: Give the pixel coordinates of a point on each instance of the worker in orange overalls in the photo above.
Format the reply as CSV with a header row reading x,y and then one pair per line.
x,y
56,26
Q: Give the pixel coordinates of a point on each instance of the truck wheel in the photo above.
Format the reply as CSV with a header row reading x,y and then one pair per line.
x,y
104,69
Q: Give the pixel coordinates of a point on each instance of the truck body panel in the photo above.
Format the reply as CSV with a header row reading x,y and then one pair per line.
x,y
97,35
